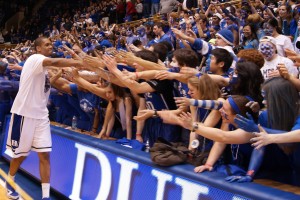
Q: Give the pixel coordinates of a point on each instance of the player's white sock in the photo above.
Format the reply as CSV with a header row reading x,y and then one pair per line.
x,y
12,177
46,190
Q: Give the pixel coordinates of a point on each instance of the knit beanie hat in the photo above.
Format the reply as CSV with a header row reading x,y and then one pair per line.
x,y
226,35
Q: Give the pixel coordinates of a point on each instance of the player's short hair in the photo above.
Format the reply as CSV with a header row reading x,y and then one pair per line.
x,y
39,41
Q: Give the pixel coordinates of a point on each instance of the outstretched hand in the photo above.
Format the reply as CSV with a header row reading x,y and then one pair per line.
x,y
129,75
143,115
162,75
73,54
182,101
186,120
188,71
110,63
178,33
125,57
254,106
283,71
202,168
261,139
93,62
247,124
75,73
293,56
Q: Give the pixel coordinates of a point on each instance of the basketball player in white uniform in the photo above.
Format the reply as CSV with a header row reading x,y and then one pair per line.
x,y
30,126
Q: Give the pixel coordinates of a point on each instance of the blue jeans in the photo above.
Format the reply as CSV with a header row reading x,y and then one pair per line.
x,y
146,9
154,8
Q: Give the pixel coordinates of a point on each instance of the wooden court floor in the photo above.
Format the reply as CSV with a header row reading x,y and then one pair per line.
x,y
2,191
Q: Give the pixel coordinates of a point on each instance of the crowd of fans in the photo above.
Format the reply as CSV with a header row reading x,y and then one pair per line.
x,y
209,74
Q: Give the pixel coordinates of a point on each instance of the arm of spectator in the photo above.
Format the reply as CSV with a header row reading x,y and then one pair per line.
x,y
128,105
73,54
266,8
219,10
93,62
144,114
89,76
15,56
106,75
206,104
220,80
285,74
93,88
254,106
96,121
14,67
198,44
147,75
211,121
263,138
237,136
256,159
132,85
208,10
108,123
181,35
140,123
253,10
62,85
54,77
228,14
214,154
162,75
168,116
131,59
186,45
200,31
193,135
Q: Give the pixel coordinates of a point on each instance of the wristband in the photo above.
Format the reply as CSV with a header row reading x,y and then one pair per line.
x,y
208,165
195,126
196,103
250,173
155,115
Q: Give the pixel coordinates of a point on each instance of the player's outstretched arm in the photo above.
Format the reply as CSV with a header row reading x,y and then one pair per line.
x,y
62,62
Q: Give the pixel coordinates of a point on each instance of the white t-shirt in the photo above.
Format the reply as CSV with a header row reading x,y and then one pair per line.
x,y
271,66
88,21
283,42
32,98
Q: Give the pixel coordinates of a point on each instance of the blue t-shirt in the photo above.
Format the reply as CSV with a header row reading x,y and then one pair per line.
x,y
162,98
181,89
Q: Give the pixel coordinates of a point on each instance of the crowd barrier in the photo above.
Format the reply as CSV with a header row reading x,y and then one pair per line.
x,y
86,168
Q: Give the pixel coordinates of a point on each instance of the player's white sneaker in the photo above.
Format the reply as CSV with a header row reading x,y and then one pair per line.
x,y
11,192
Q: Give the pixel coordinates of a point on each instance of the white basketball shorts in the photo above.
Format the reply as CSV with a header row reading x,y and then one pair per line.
x,y
27,134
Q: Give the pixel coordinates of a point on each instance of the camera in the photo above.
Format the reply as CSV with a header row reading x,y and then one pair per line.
x,y
298,44
237,49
